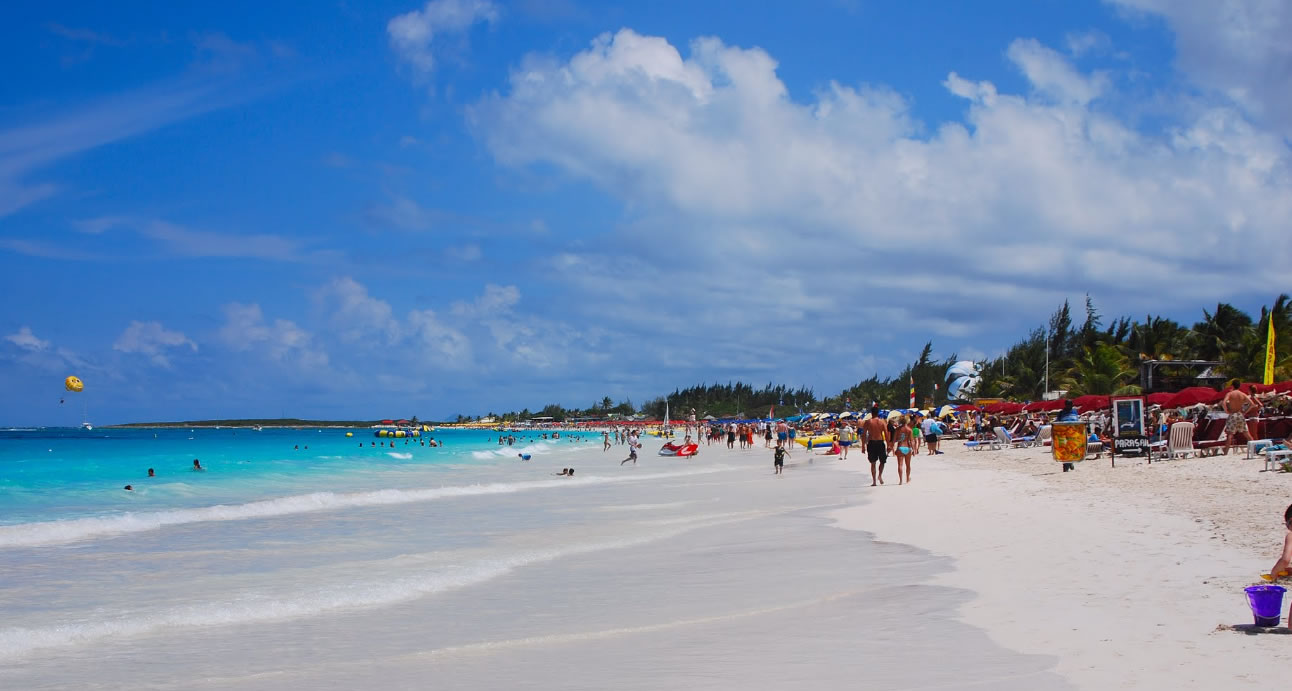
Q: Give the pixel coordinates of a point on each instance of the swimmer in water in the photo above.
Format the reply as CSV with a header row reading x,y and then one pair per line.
x,y
197,465
564,471
151,473
129,488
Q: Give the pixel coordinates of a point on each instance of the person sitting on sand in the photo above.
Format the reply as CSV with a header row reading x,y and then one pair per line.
x,y
1281,566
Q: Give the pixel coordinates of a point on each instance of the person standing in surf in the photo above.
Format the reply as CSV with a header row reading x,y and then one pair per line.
x,y
778,458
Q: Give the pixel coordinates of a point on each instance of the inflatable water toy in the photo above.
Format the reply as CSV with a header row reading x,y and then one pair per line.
x,y
684,450
820,442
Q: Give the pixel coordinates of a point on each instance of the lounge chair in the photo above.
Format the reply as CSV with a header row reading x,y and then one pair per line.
x,y
1011,442
1042,437
1180,440
1275,458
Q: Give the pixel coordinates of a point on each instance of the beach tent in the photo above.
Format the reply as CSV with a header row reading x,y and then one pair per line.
x,y
1193,396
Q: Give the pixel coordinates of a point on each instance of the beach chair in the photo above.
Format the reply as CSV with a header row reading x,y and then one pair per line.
x,y
1042,437
1180,440
1004,439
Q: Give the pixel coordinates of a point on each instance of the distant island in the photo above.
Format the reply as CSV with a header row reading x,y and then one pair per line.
x,y
273,422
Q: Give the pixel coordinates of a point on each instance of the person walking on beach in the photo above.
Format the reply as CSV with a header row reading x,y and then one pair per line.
x,y
901,446
1237,403
875,432
929,428
632,455
778,458
605,438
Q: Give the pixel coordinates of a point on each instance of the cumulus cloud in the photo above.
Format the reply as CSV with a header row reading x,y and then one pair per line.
x,y
356,315
151,339
245,329
412,33
1239,48
25,339
1032,198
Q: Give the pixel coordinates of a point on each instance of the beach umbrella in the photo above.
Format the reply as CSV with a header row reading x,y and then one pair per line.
x,y
1159,398
946,410
894,413
966,408
1193,396
1091,402
1283,386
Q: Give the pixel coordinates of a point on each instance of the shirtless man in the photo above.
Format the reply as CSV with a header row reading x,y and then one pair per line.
x,y
1237,404
874,432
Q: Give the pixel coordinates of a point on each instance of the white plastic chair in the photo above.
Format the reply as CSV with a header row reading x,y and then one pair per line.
x,y
1042,436
1180,440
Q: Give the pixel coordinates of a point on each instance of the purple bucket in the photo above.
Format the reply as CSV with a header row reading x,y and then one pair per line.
x,y
1266,602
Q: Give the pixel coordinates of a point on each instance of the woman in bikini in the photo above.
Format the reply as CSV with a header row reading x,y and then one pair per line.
x,y
902,448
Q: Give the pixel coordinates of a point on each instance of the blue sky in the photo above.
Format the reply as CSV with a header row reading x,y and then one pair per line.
x,y
388,208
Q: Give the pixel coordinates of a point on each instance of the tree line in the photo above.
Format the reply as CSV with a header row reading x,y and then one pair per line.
x,y
1087,358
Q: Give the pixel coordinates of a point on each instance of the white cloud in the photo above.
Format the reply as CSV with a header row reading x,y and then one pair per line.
x,y
1239,48
412,33
439,344
151,339
1051,74
495,299
245,329
464,253
844,200
183,241
25,339
356,315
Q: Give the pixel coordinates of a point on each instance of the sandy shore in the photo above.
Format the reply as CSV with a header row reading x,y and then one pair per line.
x,y
1124,573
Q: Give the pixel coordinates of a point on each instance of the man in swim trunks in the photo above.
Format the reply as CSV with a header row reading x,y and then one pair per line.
x,y
1237,403
875,433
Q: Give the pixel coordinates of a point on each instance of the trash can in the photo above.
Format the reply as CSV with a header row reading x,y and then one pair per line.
x,y
1266,602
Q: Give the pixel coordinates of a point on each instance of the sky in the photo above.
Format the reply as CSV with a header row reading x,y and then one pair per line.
x,y
364,210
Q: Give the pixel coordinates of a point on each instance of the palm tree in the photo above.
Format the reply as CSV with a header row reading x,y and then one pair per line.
x,y
1100,370
1220,332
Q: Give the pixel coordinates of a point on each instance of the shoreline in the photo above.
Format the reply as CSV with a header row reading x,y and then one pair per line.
x,y
1124,573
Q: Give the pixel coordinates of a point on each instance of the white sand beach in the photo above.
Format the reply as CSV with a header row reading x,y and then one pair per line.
x,y
1123,573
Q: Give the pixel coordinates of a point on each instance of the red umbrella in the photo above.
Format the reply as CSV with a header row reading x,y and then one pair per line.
x,y
1159,398
1283,386
387,422
1004,408
970,407
1193,396
1034,406
1091,402
1250,388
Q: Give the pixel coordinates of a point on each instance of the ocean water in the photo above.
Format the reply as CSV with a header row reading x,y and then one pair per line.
x,y
463,567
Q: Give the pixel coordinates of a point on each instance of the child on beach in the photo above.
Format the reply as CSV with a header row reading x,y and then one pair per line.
x,y
778,458
1281,566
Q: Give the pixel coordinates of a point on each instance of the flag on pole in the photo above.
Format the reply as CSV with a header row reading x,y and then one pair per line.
x,y
1269,352
912,405
771,413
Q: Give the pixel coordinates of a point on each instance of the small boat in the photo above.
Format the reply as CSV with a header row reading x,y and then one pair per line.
x,y
86,426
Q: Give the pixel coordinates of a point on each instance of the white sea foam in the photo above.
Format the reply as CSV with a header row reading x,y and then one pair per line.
x,y
59,532
401,456
17,642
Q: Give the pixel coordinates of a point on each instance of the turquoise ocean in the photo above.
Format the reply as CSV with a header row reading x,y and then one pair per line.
x,y
346,565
